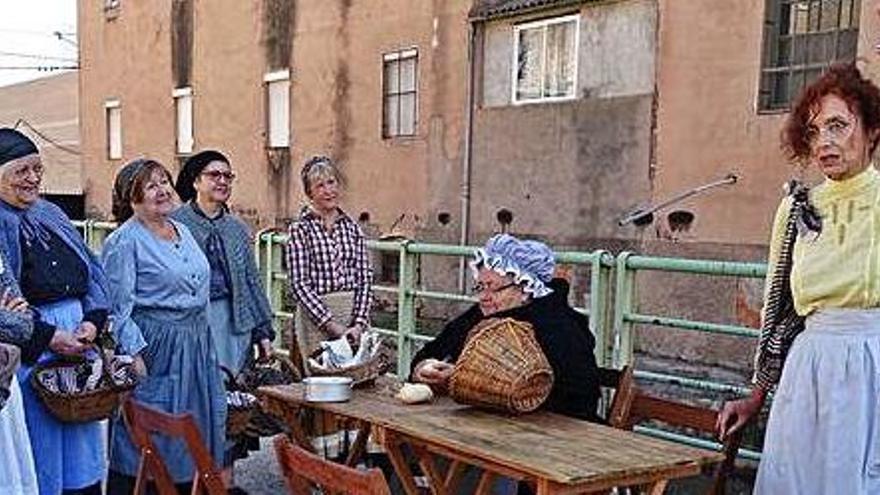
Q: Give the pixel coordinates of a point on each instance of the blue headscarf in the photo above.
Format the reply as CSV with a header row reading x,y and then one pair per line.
x,y
530,263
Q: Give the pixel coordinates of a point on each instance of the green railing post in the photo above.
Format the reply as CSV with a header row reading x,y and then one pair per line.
x,y
275,291
623,330
597,301
406,308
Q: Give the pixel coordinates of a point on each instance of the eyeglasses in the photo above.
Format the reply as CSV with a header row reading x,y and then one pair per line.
x,y
836,129
480,288
215,175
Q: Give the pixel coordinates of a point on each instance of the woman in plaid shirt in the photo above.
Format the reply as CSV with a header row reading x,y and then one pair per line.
x,y
330,273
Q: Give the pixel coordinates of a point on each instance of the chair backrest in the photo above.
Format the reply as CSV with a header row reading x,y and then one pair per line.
x,y
638,407
143,421
302,469
615,384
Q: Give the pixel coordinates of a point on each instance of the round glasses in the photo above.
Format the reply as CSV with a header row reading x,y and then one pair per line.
x,y
835,129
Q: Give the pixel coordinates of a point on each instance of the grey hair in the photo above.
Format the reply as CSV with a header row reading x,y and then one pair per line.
x,y
318,167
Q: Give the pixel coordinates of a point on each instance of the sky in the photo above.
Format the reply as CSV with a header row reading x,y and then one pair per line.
x,y
28,39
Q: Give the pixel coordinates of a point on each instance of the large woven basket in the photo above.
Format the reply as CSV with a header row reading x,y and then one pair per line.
x,y
276,370
83,407
502,367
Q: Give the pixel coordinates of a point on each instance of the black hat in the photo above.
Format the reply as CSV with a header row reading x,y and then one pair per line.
x,y
192,168
14,145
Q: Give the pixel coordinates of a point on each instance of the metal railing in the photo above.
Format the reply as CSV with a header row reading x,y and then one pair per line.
x,y
611,302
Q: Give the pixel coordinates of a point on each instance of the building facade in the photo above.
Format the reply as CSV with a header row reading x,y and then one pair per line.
x,y
456,119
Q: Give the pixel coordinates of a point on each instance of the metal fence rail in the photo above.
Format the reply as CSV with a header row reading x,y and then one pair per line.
x,y
611,302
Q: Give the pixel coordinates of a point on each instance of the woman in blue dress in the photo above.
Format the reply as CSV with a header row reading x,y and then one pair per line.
x,y
158,282
63,282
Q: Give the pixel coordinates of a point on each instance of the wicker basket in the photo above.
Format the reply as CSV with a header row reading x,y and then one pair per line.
x,y
363,374
237,417
502,367
84,407
252,420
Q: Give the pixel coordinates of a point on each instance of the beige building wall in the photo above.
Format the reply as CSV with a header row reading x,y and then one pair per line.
x,y
707,119
48,111
335,67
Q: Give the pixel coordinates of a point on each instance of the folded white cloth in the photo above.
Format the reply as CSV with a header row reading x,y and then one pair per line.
x,y
339,353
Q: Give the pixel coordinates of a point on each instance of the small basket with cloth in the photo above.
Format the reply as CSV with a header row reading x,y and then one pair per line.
x,y
84,389
363,363
502,367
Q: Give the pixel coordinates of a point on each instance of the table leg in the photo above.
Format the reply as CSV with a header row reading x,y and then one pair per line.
x,y
401,467
360,444
429,467
656,488
291,417
484,487
453,475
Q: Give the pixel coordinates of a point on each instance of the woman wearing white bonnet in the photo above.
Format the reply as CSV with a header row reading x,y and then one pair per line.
x,y
513,278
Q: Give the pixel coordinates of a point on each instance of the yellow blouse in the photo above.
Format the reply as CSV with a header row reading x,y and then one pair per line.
x,y
839,268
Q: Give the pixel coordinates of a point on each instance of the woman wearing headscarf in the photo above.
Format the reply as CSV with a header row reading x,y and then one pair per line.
x,y
158,281
240,315
63,282
514,279
17,474
329,267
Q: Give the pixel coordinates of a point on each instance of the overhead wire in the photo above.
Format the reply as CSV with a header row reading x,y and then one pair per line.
x,y
45,138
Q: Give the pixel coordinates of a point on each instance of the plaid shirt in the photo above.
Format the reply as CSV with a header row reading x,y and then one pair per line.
x,y
322,262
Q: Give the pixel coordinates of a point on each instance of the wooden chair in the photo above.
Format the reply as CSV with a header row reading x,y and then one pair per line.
x,y
633,406
302,469
616,384
142,422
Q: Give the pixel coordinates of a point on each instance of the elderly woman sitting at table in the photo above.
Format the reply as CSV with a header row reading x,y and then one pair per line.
x,y
514,279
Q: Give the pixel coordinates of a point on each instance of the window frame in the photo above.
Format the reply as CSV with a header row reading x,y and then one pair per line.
x,y
271,79
514,69
397,57
182,95
770,49
113,107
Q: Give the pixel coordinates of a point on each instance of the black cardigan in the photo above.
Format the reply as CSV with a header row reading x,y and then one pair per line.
x,y
564,336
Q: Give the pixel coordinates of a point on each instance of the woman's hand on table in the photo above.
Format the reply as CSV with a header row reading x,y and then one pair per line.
x,y
433,372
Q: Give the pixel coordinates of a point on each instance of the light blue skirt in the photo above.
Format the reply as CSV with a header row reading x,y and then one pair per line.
x,y
823,436
66,455
182,377
232,346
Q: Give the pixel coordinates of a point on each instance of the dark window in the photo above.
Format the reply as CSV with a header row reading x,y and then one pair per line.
x,y
802,38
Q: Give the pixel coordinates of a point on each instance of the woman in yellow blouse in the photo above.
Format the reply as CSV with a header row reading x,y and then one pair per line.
x,y
823,435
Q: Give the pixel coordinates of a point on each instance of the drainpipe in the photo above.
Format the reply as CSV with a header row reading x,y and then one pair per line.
x,y
468,154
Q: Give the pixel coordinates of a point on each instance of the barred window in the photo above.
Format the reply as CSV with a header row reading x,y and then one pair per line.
x,y
802,38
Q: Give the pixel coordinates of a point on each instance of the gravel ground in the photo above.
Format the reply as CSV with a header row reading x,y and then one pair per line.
x,y
259,474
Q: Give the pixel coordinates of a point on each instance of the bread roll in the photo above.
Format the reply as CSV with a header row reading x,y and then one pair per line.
x,y
413,393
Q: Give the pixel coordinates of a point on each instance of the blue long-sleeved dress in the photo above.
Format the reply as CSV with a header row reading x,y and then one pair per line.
x,y
159,298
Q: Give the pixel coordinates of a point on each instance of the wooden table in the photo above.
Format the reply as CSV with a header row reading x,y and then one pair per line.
x,y
559,455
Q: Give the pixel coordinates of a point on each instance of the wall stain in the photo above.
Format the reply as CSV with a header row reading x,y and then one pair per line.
x,y
181,42
279,22
341,137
